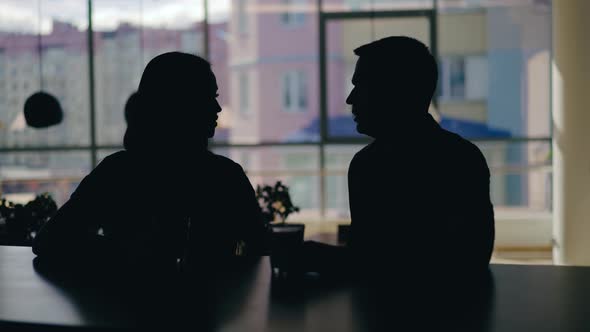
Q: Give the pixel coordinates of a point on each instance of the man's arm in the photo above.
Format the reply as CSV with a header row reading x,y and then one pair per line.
x,y
329,259
477,232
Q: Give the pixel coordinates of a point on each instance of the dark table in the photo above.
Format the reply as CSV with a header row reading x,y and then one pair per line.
x,y
518,298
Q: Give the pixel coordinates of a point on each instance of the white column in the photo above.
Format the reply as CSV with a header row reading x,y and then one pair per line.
x,y
571,131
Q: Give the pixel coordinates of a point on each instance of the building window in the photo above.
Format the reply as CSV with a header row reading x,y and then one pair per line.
x,y
244,91
457,78
242,16
295,91
463,78
293,14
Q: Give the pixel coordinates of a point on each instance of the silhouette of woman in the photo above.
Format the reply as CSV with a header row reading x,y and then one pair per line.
x,y
164,198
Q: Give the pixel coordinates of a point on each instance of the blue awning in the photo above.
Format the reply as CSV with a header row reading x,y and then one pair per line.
x,y
472,129
344,126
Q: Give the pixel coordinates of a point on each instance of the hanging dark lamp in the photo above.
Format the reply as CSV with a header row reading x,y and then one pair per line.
x,y
42,110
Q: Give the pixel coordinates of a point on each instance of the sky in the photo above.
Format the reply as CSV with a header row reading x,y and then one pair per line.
x,y
21,15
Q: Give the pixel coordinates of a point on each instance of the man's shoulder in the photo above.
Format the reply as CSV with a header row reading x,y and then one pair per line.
x,y
365,153
462,148
224,164
363,159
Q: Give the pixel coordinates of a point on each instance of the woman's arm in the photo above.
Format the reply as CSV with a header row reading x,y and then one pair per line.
x,y
255,231
73,231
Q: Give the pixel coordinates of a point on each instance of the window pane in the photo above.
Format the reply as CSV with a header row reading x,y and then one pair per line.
x,y
502,88
521,174
63,46
26,174
269,51
129,34
297,167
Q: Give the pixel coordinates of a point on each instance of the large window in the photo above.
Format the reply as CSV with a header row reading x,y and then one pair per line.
x,y
43,47
494,87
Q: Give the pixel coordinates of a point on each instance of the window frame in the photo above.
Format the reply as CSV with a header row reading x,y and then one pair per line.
x,y
9,72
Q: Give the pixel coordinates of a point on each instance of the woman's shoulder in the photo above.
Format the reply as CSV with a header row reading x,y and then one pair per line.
x,y
117,157
113,162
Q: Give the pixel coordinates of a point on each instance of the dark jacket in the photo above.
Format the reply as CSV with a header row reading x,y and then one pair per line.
x,y
421,200
139,209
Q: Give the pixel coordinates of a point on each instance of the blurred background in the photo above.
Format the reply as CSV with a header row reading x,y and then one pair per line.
x,y
283,68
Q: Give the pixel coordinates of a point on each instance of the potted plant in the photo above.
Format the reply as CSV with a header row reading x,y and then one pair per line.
x,y
20,223
286,238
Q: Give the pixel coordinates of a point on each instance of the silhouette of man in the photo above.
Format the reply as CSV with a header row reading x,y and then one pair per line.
x,y
419,195
165,197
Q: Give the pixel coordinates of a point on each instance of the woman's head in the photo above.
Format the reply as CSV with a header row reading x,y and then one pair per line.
x,y
176,105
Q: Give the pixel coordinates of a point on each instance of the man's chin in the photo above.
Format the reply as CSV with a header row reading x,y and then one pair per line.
x,y
360,129
211,131
364,131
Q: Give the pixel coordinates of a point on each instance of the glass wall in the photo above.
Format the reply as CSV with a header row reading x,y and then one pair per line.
x,y
494,87
43,47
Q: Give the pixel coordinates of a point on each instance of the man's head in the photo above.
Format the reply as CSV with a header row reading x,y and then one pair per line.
x,y
176,101
394,81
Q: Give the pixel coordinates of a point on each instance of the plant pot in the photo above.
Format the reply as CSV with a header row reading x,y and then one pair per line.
x,y
286,249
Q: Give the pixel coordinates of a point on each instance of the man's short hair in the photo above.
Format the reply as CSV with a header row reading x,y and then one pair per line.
x,y
402,61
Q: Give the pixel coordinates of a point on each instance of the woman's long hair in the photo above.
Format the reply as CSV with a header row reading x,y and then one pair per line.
x,y
164,107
